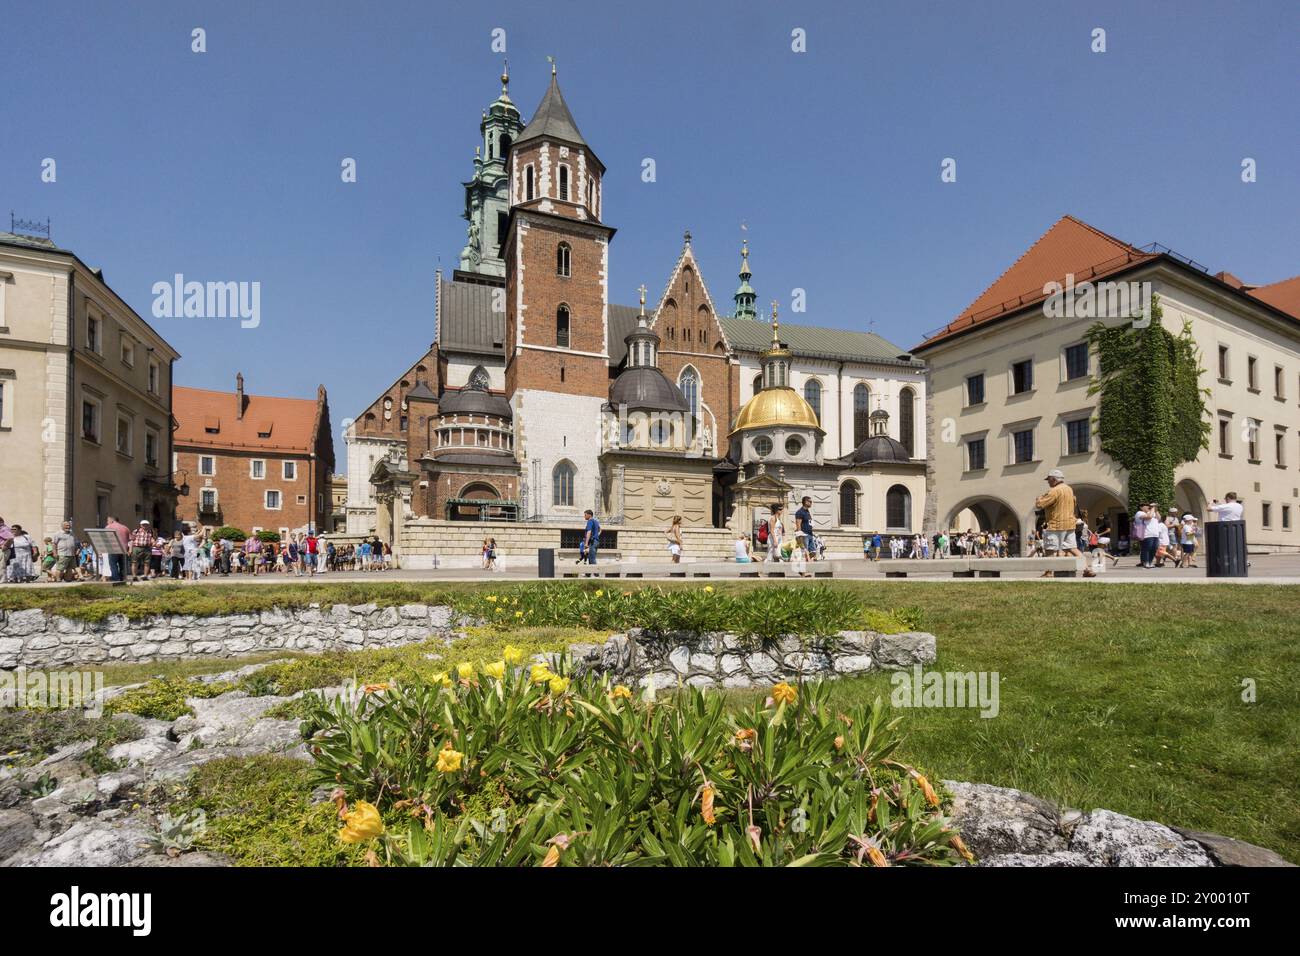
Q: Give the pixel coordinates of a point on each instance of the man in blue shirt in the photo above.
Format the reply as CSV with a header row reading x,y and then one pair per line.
x,y
591,535
803,522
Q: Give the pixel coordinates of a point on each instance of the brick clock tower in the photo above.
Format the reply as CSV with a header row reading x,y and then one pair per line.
x,y
557,310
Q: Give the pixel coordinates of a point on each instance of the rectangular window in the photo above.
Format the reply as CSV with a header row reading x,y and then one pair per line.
x,y
1279,392
154,372
1252,441
302,499
290,470
1022,377
1266,514
1076,361
257,468
1286,517
207,466
1078,436
975,454
90,420
128,352
1279,448
1022,446
124,435
1225,436
92,333
151,448
208,500
1223,363
975,389
273,501
6,399
1252,373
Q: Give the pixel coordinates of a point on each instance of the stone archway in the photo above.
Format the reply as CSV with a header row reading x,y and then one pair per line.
x,y
1190,499
987,513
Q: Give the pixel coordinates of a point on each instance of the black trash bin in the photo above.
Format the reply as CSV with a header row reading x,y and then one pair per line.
x,y
546,562
1225,549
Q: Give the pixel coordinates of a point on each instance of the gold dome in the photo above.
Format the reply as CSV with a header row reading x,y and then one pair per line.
x,y
776,407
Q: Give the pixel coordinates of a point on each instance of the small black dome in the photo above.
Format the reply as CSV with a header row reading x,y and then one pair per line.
x,y
880,448
473,401
646,387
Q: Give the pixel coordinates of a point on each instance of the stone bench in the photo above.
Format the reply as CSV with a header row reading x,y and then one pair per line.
x,y
1066,567
697,569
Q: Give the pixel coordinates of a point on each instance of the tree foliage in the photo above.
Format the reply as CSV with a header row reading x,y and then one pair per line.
x,y
1151,416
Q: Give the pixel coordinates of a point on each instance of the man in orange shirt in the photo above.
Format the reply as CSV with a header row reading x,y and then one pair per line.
x,y
1059,517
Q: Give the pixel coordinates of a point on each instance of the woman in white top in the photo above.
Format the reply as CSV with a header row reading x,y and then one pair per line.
x,y
190,547
775,534
741,545
674,536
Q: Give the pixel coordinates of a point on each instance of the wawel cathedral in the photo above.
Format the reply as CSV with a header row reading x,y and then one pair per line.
x,y
541,397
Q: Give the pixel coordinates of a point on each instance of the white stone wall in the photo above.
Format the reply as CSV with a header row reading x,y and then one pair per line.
x,y
556,427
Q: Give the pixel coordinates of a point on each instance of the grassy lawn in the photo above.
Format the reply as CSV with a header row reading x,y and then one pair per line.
x,y
1121,696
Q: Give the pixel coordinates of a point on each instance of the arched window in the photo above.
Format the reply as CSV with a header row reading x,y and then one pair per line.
x,y
812,393
689,383
758,384
591,194
528,183
906,420
898,509
563,266
849,504
562,479
478,379
861,414
562,326
564,182
505,146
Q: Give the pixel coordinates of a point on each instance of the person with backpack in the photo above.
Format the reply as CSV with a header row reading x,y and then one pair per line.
x,y
591,535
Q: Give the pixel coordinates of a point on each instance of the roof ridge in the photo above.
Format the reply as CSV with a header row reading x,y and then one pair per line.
x,y
248,395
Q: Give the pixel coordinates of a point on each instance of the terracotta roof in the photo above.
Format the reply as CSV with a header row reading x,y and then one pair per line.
x,y
1070,246
288,423
1284,295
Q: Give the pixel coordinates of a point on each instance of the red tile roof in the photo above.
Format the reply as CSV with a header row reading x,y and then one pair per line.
x,y
1070,246
268,424
1284,295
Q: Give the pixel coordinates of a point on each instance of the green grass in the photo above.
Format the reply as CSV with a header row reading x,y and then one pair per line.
x,y
1124,696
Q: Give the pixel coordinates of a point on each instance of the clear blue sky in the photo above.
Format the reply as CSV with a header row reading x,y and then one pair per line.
x,y
225,165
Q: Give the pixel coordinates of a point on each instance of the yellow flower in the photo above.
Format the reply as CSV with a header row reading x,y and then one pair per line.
x,y
559,685
491,597
495,670
519,613
959,845
931,797
599,592
361,824
839,742
449,760
708,589
621,692
513,655
783,693
374,688
465,670
552,857
540,674
442,678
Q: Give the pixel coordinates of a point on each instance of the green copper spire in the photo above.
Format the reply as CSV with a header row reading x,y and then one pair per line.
x,y
745,294
487,201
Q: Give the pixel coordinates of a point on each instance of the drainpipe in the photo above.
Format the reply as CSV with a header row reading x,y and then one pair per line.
x,y
839,400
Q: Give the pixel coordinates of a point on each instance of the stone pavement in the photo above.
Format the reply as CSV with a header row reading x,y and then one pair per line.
x,y
1264,569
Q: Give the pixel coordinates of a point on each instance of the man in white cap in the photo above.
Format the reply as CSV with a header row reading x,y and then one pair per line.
x,y
1059,517
141,548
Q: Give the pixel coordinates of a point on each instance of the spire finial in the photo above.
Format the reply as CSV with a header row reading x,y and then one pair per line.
x,y
686,237
641,289
776,326
505,77
551,59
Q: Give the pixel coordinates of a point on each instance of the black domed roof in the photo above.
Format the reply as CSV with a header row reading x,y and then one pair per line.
x,y
474,401
881,448
646,387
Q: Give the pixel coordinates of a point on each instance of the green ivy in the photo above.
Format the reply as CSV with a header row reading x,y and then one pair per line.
x,y
1151,416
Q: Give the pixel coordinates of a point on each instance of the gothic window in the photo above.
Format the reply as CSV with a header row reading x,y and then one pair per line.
x,y
564,183
906,420
849,504
478,379
861,414
689,383
563,266
562,327
562,479
898,509
812,393
528,182
758,384
591,193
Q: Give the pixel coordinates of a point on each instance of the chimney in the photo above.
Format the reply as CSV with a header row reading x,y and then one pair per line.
x,y
239,395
